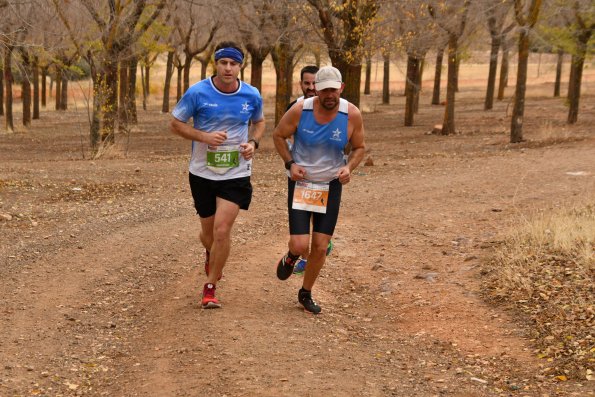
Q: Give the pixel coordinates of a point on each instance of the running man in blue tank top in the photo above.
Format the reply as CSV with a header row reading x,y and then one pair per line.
x,y
321,127
228,124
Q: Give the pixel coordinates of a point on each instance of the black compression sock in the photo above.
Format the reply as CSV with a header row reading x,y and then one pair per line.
x,y
292,256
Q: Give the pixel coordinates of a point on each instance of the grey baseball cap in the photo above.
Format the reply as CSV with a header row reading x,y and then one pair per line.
x,y
328,77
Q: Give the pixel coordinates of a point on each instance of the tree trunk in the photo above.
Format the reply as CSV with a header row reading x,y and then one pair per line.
x,y
386,80
110,105
576,73
368,75
147,80
256,71
242,69
8,79
437,76
558,73
204,65
516,128
64,93
26,91
131,97
44,75
2,93
169,68
123,112
179,69
495,49
283,61
95,125
411,88
352,77
448,126
574,87
457,68
418,85
35,72
503,83
187,64
144,89
58,96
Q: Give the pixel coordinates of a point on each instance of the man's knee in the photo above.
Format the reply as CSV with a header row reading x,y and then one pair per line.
x,y
318,249
222,232
298,246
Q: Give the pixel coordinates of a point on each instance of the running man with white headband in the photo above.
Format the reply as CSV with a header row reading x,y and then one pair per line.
x,y
228,123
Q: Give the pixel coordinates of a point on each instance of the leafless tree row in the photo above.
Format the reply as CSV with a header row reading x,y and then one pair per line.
x,y
109,41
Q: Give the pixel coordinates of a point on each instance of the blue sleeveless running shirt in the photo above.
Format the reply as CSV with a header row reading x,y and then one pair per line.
x,y
319,147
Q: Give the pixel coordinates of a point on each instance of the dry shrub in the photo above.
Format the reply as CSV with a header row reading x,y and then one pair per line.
x,y
545,272
549,132
110,151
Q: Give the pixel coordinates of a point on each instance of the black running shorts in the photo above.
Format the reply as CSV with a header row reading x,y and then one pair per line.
x,y
299,220
205,193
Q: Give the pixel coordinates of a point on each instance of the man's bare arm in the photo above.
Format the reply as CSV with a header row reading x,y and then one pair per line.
x,y
358,145
285,129
257,130
187,131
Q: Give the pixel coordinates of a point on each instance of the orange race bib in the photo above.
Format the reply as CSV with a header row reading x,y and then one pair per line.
x,y
310,196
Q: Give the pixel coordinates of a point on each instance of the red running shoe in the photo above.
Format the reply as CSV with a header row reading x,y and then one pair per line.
x,y
208,297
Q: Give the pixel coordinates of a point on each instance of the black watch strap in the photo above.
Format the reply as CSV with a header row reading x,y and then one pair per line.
x,y
288,164
255,142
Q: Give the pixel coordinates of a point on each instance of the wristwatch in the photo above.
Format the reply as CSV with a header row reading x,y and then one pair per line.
x,y
255,142
288,164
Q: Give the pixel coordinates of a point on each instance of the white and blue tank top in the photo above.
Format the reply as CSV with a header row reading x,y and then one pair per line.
x,y
319,148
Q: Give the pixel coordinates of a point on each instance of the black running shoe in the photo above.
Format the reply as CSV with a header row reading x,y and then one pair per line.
x,y
305,298
285,267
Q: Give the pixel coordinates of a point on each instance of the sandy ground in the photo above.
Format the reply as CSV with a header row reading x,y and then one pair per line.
x,y
101,268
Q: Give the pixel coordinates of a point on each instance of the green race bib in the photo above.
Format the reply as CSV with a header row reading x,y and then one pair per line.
x,y
221,159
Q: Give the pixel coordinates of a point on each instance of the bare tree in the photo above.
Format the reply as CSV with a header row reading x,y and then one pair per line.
x,y
559,62
169,69
415,33
259,33
526,18
581,29
505,44
342,25
195,26
8,80
452,19
204,58
116,27
438,74
13,29
496,12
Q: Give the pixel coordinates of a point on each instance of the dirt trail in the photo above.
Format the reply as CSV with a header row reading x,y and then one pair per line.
x,y
99,292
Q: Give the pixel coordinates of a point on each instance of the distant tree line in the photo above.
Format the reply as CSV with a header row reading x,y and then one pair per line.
x,y
109,41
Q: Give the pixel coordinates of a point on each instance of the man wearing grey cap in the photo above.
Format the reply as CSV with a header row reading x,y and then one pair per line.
x,y
321,127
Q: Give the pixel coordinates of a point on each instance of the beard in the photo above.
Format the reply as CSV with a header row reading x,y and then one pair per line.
x,y
329,103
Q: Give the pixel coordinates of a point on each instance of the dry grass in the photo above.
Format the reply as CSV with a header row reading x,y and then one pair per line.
x,y
545,271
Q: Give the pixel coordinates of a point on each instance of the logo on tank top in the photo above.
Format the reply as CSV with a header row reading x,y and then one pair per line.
x,y
245,108
336,135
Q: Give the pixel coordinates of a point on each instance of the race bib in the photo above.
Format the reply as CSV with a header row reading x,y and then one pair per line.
x,y
310,196
221,159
